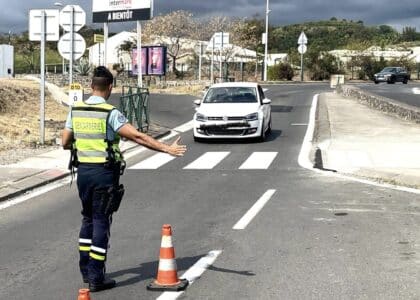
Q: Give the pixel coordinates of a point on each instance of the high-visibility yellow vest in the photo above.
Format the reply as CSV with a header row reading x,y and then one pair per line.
x,y
90,133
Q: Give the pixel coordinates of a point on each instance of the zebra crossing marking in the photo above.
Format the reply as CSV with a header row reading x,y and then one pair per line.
x,y
207,161
154,162
259,161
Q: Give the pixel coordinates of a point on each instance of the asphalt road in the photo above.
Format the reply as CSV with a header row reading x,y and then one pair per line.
x,y
405,93
317,237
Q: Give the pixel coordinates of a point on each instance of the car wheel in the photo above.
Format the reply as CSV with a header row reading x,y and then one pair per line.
x,y
405,81
376,82
391,80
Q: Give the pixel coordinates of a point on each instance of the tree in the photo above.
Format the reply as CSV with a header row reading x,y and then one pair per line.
x,y
168,30
281,71
409,34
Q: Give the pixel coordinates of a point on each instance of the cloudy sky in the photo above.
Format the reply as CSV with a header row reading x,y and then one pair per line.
x,y
397,13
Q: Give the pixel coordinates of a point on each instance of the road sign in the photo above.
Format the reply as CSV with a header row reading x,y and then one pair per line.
x,y
303,40
79,46
121,10
98,38
221,39
79,17
51,25
75,93
264,38
302,48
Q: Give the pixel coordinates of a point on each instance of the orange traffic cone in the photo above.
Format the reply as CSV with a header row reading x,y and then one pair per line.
x,y
167,278
83,294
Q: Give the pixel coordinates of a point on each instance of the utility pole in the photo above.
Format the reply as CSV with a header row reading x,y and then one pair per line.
x,y
267,11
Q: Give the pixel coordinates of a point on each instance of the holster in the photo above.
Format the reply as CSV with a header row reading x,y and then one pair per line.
x,y
110,199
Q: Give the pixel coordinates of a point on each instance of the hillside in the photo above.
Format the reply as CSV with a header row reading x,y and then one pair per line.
x,y
19,117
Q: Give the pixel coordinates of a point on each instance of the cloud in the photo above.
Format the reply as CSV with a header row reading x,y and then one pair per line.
x,y
14,15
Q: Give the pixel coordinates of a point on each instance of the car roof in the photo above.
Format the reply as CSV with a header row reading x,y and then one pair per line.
x,y
235,84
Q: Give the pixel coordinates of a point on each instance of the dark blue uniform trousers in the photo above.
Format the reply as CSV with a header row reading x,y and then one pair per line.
x,y
95,230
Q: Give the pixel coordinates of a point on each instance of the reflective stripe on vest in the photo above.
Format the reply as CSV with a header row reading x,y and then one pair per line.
x,y
90,132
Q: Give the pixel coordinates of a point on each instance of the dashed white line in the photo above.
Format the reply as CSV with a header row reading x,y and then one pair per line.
x,y
254,210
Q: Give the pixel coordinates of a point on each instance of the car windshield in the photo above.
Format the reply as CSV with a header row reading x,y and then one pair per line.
x,y
231,95
388,70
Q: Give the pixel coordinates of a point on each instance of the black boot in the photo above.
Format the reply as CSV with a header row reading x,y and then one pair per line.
x,y
105,285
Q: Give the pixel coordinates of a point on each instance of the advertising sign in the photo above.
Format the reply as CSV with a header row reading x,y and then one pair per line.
x,y
107,11
156,61
143,61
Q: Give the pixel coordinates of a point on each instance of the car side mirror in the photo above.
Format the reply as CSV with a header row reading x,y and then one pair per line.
x,y
266,101
197,102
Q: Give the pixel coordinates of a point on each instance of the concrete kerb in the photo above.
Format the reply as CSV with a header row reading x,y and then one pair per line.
x,y
44,180
386,105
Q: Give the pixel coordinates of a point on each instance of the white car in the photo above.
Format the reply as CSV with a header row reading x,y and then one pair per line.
x,y
233,110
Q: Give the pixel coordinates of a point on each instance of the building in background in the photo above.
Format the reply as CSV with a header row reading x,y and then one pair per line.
x,y
6,61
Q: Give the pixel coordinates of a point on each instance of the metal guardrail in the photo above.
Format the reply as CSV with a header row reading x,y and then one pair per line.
x,y
134,104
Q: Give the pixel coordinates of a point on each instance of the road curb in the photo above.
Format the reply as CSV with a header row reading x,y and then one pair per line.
x,y
42,182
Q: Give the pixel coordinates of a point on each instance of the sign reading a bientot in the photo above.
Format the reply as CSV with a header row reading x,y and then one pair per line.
x,y
108,11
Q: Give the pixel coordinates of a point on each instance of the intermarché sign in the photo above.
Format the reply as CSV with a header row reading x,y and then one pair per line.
x,y
108,11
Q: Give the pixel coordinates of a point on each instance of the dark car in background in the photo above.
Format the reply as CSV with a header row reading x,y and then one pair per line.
x,y
392,75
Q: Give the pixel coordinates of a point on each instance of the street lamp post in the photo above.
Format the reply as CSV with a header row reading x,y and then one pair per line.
x,y
59,4
267,11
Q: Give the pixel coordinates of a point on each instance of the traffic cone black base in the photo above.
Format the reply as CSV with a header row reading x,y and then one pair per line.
x,y
182,285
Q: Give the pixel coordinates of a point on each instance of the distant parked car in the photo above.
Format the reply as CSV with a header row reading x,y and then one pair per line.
x,y
392,75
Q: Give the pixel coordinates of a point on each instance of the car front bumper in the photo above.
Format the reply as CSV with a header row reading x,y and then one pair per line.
x,y
228,130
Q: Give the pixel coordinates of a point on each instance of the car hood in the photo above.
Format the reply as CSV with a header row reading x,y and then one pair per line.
x,y
228,109
384,73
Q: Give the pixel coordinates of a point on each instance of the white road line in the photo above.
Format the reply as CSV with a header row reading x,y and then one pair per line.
x,y
305,162
154,162
193,273
416,91
34,193
259,161
207,161
254,210
299,124
184,127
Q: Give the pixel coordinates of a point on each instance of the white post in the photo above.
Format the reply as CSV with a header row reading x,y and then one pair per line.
x,y
139,60
42,82
301,66
199,62
99,54
212,63
221,63
105,44
71,45
267,11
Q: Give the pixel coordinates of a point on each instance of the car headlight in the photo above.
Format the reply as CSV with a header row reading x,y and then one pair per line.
x,y
387,75
252,117
200,117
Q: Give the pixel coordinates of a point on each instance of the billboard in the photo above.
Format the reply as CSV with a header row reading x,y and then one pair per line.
x,y
153,59
135,70
156,63
107,11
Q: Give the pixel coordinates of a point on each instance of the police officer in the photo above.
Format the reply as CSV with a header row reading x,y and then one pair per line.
x,y
92,132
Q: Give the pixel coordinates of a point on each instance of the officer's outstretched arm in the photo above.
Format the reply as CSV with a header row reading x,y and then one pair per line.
x,y
128,131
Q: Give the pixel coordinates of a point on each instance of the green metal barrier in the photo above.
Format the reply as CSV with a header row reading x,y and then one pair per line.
x,y
134,104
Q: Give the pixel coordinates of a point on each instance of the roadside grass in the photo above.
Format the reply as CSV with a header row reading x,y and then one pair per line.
x,y
20,112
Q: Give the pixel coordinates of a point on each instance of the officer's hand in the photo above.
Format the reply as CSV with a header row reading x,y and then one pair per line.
x,y
175,149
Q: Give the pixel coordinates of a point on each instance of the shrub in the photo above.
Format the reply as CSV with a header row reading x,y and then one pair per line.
x,y
282,71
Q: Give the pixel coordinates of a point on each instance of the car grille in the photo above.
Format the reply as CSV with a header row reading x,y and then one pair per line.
x,y
221,132
228,118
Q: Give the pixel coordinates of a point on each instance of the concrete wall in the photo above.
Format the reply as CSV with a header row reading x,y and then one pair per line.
x,y
389,106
